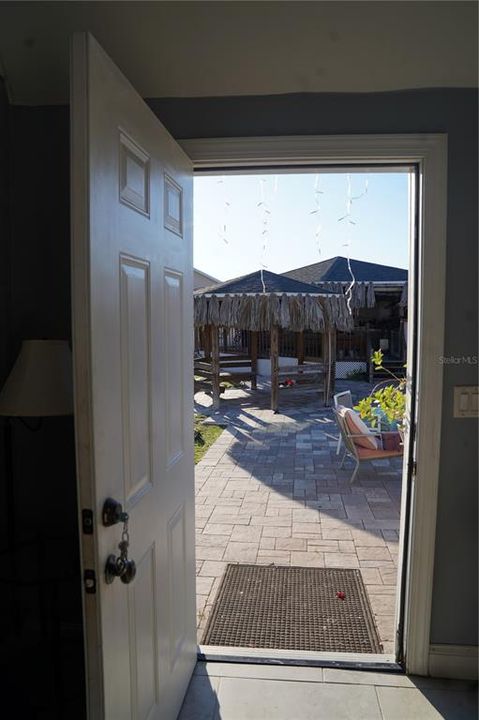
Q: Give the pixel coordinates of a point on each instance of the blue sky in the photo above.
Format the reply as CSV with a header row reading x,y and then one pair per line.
x,y
244,222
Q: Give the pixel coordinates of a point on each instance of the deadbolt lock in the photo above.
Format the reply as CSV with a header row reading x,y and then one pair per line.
x,y
112,513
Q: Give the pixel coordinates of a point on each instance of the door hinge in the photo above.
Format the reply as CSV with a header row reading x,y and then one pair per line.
x,y
89,581
87,521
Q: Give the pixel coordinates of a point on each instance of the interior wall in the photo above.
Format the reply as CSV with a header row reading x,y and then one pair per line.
x,y
201,49
40,283
45,637
451,111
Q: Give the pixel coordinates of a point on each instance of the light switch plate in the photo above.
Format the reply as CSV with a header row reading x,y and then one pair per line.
x,y
466,401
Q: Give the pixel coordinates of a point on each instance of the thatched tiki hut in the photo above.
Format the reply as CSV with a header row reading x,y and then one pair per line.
x,y
260,303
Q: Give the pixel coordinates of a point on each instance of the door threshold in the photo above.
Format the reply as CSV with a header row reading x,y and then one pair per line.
x,y
301,658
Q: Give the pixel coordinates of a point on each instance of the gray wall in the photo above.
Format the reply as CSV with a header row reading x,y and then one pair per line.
x,y
454,112
40,297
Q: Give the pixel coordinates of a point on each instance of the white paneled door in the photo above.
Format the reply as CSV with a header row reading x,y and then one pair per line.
x,y
132,320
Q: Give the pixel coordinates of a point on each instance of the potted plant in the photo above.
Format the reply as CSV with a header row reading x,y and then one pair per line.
x,y
386,402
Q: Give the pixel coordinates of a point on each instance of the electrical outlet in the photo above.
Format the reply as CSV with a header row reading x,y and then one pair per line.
x,y
466,401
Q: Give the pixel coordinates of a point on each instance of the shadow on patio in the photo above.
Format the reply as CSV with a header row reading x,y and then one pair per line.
x,y
270,491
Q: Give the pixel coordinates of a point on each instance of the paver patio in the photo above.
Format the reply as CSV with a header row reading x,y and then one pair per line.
x,y
270,491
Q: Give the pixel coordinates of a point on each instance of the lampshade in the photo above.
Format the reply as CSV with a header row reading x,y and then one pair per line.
x,y
40,383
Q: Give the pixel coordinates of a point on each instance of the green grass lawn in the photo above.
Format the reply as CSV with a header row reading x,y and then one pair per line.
x,y
205,436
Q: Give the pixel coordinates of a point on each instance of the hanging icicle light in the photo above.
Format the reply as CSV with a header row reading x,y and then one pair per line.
x,y
264,227
350,199
317,192
265,220
225,204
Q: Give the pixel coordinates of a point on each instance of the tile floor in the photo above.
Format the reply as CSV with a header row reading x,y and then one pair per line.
x,y
270,491
227,691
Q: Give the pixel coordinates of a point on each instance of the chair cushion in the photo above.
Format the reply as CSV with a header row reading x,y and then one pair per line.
x,y
357,427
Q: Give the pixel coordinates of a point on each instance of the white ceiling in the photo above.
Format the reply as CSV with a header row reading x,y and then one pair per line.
x,y
186,49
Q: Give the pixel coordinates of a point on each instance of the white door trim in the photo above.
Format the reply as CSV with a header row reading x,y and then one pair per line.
x,y
429,153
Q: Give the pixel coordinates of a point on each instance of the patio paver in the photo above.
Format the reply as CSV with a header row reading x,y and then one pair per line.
x,y
270,490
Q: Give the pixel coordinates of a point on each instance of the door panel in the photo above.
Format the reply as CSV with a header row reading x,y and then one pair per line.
x,y
174,361
136,388
133,349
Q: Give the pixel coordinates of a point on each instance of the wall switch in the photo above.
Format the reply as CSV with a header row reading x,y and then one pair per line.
x,y
466,401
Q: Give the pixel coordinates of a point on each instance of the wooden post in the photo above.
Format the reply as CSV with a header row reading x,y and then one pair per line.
x,y
333,364
225,340
326,366
369,366
274,348
207,341
300,347
402,341
215,366
254,357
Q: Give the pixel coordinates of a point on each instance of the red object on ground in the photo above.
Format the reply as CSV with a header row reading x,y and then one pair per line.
x,y
340,595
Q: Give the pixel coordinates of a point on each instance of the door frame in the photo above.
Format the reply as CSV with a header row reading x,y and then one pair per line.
x,y
427,153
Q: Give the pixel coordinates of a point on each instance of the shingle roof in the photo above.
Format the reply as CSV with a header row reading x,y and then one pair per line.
x,y
336,270
252,284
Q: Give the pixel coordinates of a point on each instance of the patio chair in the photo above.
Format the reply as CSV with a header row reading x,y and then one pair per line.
x,y
342,399
366,445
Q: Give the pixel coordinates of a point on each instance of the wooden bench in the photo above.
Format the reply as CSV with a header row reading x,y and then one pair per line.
x,y
232,369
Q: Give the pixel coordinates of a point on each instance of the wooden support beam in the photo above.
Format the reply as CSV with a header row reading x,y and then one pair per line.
x,y
254,357
402,341
370,366
325,353
300,347
215,366
274,350
207,341
333,364
329,357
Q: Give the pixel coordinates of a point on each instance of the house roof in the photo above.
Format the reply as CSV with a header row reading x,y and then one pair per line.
x,y
201,279
336,270
252,284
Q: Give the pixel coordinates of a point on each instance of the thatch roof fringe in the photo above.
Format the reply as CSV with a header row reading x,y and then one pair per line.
x,y
261,312
284,313
296,314
244,313
225,311
269,313
362,293
254,313
314,316
201,311
213,311
338,313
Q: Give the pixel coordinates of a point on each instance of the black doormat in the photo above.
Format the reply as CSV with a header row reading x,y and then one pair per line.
x,y
292,608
